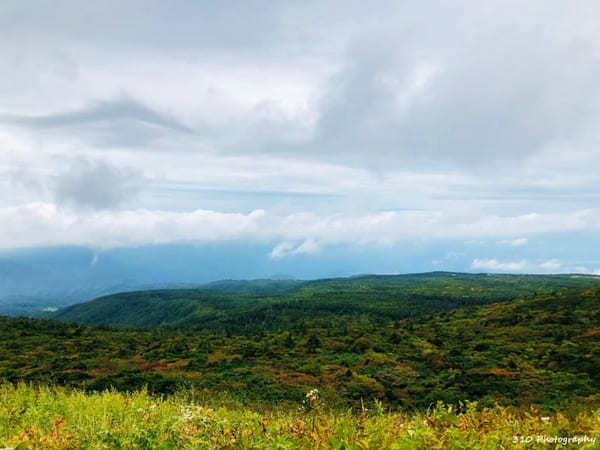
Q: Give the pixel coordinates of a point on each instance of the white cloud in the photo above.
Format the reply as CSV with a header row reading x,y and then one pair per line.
x,y
284,249
551,264
495,265
518,242
45,223
308,247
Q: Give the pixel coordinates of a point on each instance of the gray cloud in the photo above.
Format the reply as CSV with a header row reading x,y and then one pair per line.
x,y
480,86
122,122
100,111
96,185
181,28
463,85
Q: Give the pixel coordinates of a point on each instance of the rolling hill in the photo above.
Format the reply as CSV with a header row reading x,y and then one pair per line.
x,y
247,306
541,349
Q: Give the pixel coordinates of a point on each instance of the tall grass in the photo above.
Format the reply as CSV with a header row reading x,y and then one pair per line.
x,y
55,418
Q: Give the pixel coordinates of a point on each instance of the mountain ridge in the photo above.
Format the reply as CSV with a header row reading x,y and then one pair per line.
x,y
244,304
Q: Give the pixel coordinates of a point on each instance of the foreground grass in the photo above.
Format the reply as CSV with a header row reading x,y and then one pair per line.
x,y
53,418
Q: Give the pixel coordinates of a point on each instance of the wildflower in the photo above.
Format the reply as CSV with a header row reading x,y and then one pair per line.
x,y
311,401
546,419
312,395
186,414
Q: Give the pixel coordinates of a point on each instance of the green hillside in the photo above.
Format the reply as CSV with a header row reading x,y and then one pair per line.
x,y
248,306
542,350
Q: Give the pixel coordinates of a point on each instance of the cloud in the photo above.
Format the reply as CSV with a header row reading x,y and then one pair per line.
x,y
468,88
494,265
475,90
96,185
342,123
41,223
551,264
281,250
114,123
46,224
97,112
285,249
518,242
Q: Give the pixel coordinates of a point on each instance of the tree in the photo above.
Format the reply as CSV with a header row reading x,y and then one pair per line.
x,y
289,341
313,343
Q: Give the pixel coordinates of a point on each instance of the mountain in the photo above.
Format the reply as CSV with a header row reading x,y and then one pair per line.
x,y
247,306
33,279
37,279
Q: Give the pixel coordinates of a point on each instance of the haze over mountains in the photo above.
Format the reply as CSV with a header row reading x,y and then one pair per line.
x,y
37,278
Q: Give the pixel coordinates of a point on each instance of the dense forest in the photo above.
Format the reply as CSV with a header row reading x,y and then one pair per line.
x,y
407,342
278,305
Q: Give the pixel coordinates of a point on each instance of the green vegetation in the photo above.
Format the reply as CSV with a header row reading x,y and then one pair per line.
x,y
232,364
542,350
247,307
43,418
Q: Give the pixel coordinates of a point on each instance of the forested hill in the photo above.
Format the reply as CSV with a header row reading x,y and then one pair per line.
x,y
247,306
542,350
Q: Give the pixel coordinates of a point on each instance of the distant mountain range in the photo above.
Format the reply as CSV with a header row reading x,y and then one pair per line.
x,y
33,280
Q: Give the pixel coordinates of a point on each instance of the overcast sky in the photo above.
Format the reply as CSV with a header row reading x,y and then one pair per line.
x,y
304,126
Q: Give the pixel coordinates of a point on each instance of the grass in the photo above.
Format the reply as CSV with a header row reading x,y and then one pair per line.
x,y
57,418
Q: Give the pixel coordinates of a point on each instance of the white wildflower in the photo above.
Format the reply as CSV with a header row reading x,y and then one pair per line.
x,y
186,414
312,395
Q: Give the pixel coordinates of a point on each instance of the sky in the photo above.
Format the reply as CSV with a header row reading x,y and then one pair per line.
x,y
334,137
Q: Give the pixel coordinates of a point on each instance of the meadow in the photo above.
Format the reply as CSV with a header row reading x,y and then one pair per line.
x,y
55,418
